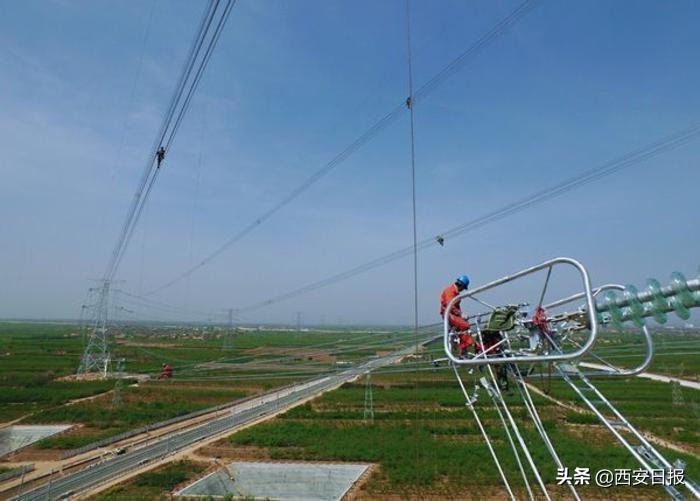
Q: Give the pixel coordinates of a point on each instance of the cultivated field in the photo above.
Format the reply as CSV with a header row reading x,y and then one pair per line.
x,y
422,440
426,442
37,362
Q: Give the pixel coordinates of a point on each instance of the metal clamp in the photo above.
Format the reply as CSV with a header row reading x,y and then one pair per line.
x,y
645,331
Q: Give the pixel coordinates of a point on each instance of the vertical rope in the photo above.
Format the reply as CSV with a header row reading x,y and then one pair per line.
x,y
409,104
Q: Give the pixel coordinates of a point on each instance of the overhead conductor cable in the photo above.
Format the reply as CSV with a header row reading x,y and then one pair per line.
x,y
499,29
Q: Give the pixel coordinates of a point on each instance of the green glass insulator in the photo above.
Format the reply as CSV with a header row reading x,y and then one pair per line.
x,y
654,287
629,315
659,316
680,288
635,309
613,309
659,305
650,311
680,309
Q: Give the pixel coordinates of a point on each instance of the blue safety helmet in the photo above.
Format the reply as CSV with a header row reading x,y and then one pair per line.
x,y
463,281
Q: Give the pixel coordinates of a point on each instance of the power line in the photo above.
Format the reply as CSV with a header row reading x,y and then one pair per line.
x,y
96,352
155,157
404,368
296,373
292,353
158,305
205,60
498,30
292,357
656,148
177,109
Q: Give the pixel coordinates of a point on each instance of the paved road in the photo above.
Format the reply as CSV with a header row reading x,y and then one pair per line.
x,y
110,469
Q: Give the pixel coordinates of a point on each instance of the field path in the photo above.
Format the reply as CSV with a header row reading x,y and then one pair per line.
x,y
649,436
648,375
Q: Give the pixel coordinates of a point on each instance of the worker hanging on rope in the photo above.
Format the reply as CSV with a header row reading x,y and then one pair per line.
x,y
459,326
160,155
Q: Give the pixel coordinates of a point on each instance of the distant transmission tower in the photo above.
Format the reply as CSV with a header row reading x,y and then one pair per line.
x,y
676,393
96,356
117,400
368,415
229,333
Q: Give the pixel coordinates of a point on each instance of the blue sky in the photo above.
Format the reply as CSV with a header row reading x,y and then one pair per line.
x,y
83,86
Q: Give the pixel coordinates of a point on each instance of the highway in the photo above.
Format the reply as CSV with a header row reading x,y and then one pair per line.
x,y
76,483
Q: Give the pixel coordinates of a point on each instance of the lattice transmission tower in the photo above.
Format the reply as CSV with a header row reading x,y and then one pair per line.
x,y
96,357
117,399
368,415
229,333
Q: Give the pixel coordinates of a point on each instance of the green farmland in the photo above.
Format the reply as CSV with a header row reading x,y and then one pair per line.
x,y
422,439
426,442
38,360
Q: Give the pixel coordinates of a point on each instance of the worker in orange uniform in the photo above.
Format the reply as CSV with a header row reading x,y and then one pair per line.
x,y
166,372
458,325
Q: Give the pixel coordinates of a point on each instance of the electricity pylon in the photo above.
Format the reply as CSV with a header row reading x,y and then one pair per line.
x,y
368,415
228,334
117,395
96,356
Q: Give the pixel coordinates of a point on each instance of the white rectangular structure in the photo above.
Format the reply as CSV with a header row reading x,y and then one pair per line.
x,y
279,481
15,437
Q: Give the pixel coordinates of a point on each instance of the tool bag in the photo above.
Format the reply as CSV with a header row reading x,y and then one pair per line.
x,y
502,319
